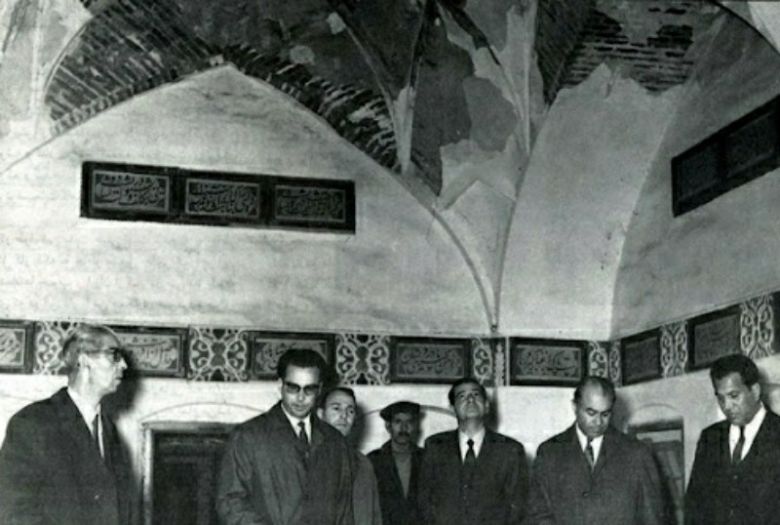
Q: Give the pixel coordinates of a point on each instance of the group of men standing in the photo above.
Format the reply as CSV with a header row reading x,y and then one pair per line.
x,y
61,461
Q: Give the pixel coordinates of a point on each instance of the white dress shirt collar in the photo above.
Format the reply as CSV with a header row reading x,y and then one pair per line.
x,y
463,439
295,420
86,409
751,429
595,443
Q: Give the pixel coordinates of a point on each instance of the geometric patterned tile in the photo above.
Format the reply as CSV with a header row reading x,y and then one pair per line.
x,y
501,370
363,359
757,327
49,336
598,359
615,364
16,342
674,349
218,354
483,368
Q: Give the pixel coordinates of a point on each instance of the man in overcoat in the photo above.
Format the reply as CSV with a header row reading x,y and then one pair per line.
x,y
736,471
472,475
62,462
592,473
286,467
397,463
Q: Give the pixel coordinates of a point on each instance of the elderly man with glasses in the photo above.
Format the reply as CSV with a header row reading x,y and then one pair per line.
x,y
62,462
286,466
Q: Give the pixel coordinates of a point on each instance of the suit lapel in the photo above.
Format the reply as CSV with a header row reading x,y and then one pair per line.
x,y
75,429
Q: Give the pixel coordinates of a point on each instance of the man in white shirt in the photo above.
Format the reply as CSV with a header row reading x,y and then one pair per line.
x,y
592,473
62,462
736,471
286,466
472,475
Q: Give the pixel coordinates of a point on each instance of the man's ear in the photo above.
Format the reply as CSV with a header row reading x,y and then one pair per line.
x,y
388,427
321,414
756,389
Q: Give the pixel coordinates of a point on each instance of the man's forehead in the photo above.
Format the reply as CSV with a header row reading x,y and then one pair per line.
x,y
729,383
467,387
595,398
340,398
402,416
302,375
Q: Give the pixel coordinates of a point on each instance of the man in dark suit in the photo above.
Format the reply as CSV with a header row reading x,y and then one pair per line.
x,y
397,464
736,471
61,462
591,473
472,475
286,467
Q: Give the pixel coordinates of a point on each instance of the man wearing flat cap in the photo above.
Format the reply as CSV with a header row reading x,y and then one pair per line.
x,y
397,464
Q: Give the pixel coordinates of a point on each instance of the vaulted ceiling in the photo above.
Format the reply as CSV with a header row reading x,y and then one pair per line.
x,y
439,92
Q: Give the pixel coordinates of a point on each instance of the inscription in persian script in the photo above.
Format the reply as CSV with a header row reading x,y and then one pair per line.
x,y
153,352
641,359
715,338
295,203
267,352
222,198
534,362
130,191
429,361
12,345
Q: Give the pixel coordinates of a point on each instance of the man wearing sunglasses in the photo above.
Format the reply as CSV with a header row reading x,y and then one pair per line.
x,y
62,462
286,466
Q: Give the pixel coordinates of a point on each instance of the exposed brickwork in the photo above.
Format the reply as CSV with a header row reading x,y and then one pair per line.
x,y
132,46
559,27
650,42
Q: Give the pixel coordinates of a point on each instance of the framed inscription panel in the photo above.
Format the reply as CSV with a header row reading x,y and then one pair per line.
x,y
265,349
428,360
127,192
641,357
546,361
714,335
225,199
313,203
16,346
153,351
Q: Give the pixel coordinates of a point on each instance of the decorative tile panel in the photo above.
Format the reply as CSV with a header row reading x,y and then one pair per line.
x,y
546,362
598,359
154,351
674,349
49,336
757,327
217,354
363,359
422,359
501,369
16,343
615,364
483,367
265,349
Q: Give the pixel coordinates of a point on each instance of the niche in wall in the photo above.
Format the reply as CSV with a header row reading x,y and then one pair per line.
x,y
181,474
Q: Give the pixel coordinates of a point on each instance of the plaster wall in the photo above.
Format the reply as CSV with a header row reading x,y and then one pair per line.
x,y
399,273
585,173
726,250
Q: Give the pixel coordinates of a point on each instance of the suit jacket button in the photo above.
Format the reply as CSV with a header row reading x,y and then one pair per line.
x,y
97,497
585,494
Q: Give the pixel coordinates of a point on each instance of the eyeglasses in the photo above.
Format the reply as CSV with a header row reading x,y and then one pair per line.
x,y
114,353
309,390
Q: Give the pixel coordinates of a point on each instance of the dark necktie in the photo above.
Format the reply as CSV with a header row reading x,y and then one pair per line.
x,y
589,454
736,457
302,433
471,458
96,433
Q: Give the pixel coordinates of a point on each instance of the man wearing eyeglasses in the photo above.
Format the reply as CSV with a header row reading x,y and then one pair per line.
x,y
472,475
62,462
286,467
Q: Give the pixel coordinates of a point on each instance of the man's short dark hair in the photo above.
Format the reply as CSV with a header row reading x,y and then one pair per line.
x,y
302,358
324,397
735,363
465,381
603,383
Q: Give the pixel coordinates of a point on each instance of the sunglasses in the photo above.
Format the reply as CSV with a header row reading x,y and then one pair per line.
x,y
309,390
